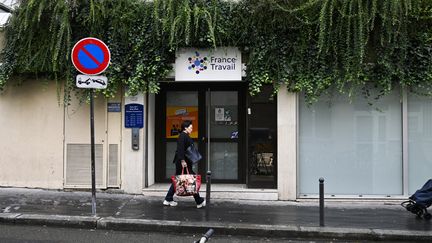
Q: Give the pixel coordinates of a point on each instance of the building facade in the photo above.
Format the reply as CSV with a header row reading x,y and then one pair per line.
x,y
269,141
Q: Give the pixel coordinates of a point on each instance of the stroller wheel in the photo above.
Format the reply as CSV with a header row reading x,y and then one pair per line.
x,y
408,205
419,213
427,216
411,208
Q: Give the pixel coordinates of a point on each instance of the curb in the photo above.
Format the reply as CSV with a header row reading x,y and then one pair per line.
x,y
52,220
288,231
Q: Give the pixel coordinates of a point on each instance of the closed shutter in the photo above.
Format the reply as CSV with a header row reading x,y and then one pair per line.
x,y
113,172
78,165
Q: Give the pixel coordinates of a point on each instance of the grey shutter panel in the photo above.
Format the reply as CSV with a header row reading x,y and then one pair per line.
x,y
78,165
113,166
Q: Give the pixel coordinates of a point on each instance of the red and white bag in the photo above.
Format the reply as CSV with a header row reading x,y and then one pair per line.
x,y
186,184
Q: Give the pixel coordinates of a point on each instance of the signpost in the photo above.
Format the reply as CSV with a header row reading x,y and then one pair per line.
x,y
91,56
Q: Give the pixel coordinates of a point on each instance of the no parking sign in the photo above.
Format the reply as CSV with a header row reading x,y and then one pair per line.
x,y
90,56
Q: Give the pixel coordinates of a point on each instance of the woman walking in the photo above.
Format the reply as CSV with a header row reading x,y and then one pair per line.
x,y
181,162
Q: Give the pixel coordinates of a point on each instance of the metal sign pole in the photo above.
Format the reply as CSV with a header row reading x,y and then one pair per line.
x,y
93,174
91,64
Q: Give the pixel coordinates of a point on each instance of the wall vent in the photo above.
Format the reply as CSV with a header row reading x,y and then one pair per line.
x,y
78,165
113,166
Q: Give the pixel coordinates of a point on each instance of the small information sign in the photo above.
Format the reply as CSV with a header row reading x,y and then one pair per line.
x,y
134,116
91,81
114,107
219,114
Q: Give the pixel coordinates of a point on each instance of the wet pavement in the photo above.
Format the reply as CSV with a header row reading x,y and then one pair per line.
x,y
358,219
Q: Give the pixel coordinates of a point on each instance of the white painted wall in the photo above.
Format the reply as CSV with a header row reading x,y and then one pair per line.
x,y
31,136
287,144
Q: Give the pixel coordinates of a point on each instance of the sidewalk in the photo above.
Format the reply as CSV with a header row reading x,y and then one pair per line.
x,y
344,220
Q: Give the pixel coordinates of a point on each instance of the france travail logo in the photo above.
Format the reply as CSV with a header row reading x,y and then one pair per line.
x,y
197,63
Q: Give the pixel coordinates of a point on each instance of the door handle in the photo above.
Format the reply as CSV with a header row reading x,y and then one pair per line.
x,y
203,139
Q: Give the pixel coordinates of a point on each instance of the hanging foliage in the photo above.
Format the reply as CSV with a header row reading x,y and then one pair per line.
x,y
314,46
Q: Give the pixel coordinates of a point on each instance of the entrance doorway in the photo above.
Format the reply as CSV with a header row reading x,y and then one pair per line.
x,y
262,140
217,114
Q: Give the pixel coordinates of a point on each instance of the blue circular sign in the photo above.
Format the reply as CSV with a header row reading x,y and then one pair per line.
x,y
90,56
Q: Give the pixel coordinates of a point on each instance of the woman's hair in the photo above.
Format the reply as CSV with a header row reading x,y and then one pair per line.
x,y
185,124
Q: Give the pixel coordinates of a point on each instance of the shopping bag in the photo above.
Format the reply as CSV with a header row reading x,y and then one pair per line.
x,y
186,184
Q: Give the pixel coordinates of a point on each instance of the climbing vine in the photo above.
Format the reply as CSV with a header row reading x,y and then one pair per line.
x,y
311,46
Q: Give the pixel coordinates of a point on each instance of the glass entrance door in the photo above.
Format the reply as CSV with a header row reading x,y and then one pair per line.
x,y
218,134
180,106
224,134
262,124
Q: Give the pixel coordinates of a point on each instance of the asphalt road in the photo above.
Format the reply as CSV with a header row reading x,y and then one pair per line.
x,y
39,234
43,234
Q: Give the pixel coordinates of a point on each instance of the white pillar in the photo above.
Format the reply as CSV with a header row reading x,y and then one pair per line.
x,y
151,140
287,144
132,160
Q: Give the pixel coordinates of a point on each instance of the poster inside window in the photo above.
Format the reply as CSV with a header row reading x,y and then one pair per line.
x,y
176,115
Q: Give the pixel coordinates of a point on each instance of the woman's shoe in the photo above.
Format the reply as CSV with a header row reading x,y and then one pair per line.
x,y
201,205
169,203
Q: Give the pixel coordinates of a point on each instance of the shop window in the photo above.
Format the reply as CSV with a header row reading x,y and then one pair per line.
x,y
355,146
419,141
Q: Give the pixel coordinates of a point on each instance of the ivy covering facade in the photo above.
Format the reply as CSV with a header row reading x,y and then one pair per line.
x,y
313,46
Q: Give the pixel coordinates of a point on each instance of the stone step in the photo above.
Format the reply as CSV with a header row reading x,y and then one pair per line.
x,y
220,191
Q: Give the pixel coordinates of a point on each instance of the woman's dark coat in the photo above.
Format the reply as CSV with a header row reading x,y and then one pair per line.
x,y
183,142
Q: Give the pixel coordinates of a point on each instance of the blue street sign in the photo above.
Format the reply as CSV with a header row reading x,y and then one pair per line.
x,y
134,116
